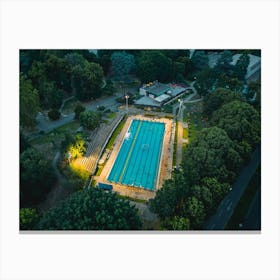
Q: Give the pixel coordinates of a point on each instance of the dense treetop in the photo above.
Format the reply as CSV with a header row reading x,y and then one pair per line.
x,y
91,209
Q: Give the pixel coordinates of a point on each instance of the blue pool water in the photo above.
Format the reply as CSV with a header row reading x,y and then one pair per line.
x,y
137,162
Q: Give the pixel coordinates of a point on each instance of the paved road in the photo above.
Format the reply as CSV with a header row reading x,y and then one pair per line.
x,y
252,219
44,124
220,219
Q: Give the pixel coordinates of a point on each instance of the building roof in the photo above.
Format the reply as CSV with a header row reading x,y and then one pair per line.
x,y
175,90
147,101
156,88
162,97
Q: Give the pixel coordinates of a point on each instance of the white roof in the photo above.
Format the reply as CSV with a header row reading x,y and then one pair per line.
x,y
147,101
162,97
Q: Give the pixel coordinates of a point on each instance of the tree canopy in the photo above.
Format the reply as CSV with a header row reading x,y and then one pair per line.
x,y
36,177
29,103
154,65
89,119
242,124
217,98
211,154
122,63
91,209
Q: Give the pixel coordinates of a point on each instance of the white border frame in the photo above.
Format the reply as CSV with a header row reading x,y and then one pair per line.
x,y
134,24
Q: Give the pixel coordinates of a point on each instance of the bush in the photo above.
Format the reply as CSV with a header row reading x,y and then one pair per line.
x,y
54,114
89,119
101,108
78,110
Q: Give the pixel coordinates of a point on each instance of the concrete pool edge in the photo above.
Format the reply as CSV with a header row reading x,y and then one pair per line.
x,y
165,166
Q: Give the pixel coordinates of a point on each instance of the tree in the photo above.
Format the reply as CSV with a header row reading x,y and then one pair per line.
x,y
200,60
87,80
89,119
242,124
91,209
28,218
29,103
230,83
241,66
224,65
78,110
51,96
36,177
217,98
211,154
24,144
217,189
195,211
75,145
153,65
203,194
176,223
54,114
206,80
170,198
57,69
122,63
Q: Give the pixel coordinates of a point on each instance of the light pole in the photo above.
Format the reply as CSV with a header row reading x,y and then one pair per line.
x,y
126,97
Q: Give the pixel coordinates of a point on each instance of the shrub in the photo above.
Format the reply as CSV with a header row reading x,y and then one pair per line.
x,y
54,114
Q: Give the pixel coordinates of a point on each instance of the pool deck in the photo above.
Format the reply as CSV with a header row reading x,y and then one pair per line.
x,y
165,167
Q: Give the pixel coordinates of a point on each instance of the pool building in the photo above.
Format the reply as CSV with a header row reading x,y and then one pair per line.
x,y
138,161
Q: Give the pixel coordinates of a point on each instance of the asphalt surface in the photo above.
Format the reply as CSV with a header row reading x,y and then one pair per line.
x,y
252,219
44,124
220,219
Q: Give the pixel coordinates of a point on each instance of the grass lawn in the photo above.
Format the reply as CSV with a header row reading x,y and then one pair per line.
x,y
185,133
112,115
115,134
245,201
99,170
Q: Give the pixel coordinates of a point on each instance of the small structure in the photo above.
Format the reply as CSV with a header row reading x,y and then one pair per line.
x,y
156,94
105,187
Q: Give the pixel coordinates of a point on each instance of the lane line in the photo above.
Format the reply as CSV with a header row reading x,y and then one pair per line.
x,y
130,151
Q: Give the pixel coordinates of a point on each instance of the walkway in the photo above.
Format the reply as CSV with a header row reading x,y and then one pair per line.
x,y
220,219
98,139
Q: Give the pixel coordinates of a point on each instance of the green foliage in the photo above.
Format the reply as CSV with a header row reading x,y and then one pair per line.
x,y
54,114
89,119
153,65
241,66
122,63
29,103
91,209
78,110
224,63
109,89
36,177
211,154
170,197
73,144
28,218
24,144
218,98
205,80
50,95
194,209
200,60
241,122
217,189
176,223
87,80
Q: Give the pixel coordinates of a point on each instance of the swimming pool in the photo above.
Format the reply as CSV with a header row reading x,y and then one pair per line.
x,y
138,160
